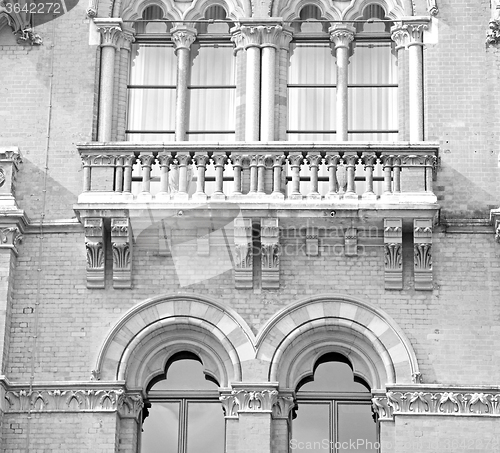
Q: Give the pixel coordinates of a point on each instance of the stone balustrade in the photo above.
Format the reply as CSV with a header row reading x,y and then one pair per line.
x,y
352,172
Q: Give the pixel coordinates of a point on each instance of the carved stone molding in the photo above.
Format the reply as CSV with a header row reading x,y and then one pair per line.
x,y
74,400
342,35
432,7
443,401
183,37
269,401
96,252
122,245
260,35
393,258
351,242
422,245
243,256
270,252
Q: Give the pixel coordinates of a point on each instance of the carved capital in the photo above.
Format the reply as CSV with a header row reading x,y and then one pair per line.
x,y
342,35
295,159
271,36
250,36
201,159
369,159
400,35
219,159
314,159
126,39
183,37
415,33
110,30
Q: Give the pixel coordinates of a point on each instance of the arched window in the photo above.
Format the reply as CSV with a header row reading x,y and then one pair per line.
x,y
174,97
185,415
334,410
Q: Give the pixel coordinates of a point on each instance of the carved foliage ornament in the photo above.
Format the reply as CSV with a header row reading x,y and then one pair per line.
x,y
444,402
239,401
74,400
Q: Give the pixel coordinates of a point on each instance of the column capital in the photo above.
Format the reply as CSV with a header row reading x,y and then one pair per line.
x,y
127,38
400,35
342,35
271,35
415,29
110,30
183,37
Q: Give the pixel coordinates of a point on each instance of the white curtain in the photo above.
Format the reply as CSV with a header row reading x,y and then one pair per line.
x,y
152,108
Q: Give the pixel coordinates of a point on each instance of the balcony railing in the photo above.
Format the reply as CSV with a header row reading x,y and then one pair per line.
x,y
348,172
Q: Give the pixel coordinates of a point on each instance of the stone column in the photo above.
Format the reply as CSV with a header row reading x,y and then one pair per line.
x,y
110,30
270,42
342,36
251,37
416,99
283,63
182,37
399,35
120,107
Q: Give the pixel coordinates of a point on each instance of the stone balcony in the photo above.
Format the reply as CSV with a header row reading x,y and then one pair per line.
x,y
175,199
275,175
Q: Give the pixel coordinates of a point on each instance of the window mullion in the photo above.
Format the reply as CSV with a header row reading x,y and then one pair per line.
x,y
183,422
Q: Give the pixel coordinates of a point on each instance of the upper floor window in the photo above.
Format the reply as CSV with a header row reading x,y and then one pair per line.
x,y
314,107
185,414
180,89
334,410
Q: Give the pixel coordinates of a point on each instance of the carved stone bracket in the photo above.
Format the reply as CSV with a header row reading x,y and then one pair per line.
x,y
243,256
10,237
270,251
96,252
393,258
444,401
10,161
122,244
269,401
351,242
74,400
422,243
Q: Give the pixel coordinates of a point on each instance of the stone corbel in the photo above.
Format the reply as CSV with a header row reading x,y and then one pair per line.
x,y
351,242
312,242
10,237
96,251
422,243
122,244
243,256
393,253
270,250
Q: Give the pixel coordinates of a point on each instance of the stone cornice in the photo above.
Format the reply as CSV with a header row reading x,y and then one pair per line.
x,y
104,397
437,400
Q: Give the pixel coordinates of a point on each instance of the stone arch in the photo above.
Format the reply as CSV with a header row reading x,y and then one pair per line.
x,y
140,344
133,10
292,341
394,9
291,11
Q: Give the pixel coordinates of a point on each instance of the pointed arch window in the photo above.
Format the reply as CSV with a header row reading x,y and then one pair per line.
x,y
173,98
334,410
184,411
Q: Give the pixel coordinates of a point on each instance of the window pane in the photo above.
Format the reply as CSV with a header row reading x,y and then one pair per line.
x,y
185,374
213,64
356,426
373,63
334,377
311,109
373,109
151,109
205,428
161,429
211,109
153,65
312,63
312,425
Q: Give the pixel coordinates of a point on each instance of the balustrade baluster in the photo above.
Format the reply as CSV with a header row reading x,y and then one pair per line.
x,y
119,174
350,161
219,161
278,161
387,164
146,162
184,160
333,185
314,159
201,160
86,173
261,174
397,174
369,160
164,160
128,162
295,160
237,161
253,174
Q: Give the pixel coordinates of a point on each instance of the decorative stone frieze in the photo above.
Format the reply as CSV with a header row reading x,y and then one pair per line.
x,y
183,37
437,401
270,251
122,245
351,242
422,243
74,400
393,257
269,401
243,256
96,252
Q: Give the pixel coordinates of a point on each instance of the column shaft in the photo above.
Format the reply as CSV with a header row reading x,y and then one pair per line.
x,y
268,93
